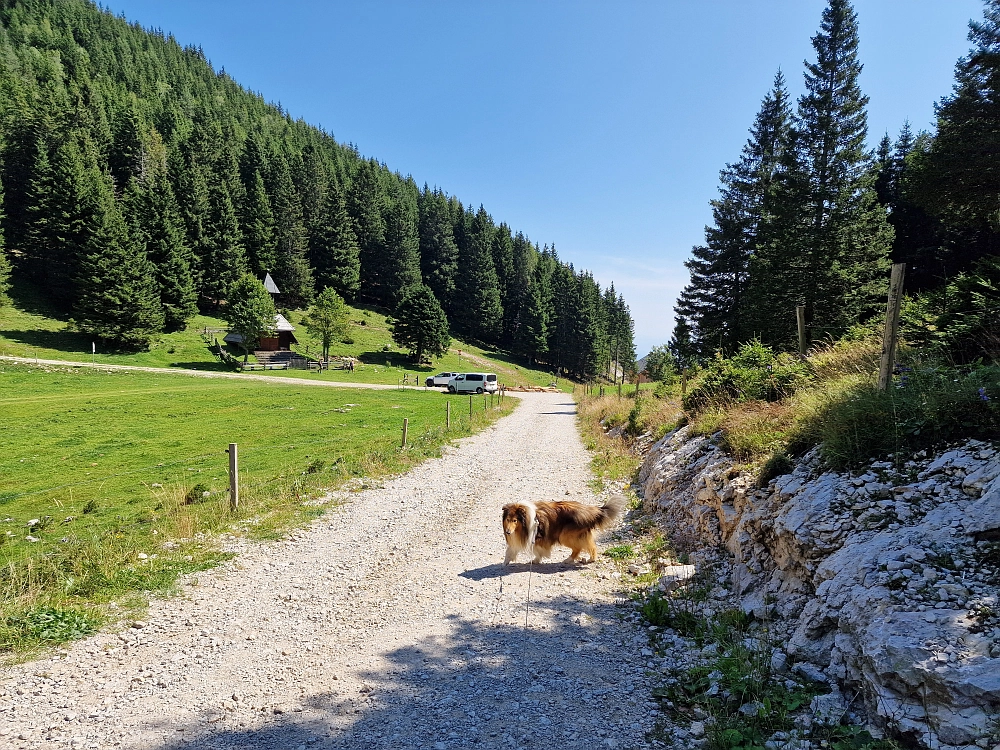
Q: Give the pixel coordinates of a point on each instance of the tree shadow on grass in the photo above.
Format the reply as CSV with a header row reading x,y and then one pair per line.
x,y
394,359
472,684
67,341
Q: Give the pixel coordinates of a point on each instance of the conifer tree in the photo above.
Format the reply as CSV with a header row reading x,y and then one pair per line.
x,y
225,259
61,215
118,299
420,324
365,204
292,272
438,250
478,292
826,240
715,300
158,228
258,227
5,267
401,268
961,176
334,248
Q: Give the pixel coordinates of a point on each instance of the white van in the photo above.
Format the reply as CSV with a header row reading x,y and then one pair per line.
x,y
474,382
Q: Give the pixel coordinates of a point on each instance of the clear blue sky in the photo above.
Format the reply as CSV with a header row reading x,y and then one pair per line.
x,y
598,126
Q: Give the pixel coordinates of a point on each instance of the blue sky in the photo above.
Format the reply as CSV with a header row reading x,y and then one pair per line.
x,y
600,127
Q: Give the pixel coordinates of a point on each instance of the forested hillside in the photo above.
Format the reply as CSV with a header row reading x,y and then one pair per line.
x,y
140,183
808,215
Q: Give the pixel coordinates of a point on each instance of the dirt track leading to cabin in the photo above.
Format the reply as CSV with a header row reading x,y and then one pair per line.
x,y
210,374
389,623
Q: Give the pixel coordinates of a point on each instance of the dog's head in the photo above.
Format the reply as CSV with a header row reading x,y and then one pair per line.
x,y
515,520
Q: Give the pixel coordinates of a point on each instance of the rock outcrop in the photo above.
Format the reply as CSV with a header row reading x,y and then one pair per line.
x,y
886,581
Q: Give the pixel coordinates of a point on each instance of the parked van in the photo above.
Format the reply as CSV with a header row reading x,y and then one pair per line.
x,y
473,382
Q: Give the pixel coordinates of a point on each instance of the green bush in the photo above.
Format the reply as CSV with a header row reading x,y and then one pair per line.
x,y
754,373
927,404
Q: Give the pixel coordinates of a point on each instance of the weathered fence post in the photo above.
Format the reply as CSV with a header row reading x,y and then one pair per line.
x,y
470,406
684,382
800,320
234,477
447,415
406,425
891,333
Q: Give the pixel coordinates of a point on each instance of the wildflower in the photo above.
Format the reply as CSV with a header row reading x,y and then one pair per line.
x,y
982,395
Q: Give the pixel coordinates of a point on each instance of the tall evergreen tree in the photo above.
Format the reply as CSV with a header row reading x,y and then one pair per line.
x,y
715,300
420,324
5,268
829,242
257,224
478,291
292,272
225,260
365,203
118,299
334,247
438,250
961,180
401,268
158,227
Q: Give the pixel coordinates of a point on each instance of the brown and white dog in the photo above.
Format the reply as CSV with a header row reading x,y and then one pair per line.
x,y
535,527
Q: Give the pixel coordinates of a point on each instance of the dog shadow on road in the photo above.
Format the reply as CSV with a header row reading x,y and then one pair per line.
x,y
498,570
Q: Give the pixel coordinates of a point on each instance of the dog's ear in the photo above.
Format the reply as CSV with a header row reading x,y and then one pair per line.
x,y
522,516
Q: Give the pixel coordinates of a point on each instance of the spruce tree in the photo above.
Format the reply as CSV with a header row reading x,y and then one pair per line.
x,y
365,203
334,248
420,324
715,301
826,241
478,292
401,268
159,229
438,250
961,179
118,299
292,272
257,224
225,259
5,267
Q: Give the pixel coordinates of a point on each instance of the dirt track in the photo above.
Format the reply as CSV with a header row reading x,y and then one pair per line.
x,y
390,623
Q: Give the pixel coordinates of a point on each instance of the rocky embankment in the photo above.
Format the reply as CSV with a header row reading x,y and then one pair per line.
x,y
884,582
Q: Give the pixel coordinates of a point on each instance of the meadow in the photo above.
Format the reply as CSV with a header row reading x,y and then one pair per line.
x,y
112,483
31,328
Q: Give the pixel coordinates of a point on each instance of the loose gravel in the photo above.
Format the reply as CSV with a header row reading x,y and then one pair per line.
x,y
390,622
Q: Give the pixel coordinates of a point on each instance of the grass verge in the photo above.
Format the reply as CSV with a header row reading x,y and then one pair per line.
x,y
114,483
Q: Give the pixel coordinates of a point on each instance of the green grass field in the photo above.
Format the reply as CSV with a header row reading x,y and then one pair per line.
x,y
104,475
30,328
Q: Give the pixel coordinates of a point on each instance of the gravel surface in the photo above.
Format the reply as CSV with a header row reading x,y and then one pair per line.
x,y
388,623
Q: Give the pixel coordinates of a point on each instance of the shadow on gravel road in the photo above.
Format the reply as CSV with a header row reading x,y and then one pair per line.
x,y
499,570
480,685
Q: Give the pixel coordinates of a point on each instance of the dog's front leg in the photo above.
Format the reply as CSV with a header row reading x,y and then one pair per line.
x,y
508,558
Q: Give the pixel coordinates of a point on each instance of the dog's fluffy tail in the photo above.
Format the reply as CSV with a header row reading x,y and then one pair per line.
x,y
611,511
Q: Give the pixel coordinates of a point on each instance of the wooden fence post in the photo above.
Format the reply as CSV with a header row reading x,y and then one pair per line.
x,y
447,415
891,333
406,425
800,320
470,406
684,382
234,477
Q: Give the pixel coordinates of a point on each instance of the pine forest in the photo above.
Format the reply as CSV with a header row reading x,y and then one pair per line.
x,y
809,216
139,184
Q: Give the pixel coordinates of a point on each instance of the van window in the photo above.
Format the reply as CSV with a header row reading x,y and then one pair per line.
x,y
473,376
491,378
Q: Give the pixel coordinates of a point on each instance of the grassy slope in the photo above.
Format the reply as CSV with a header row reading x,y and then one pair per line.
x,y
31,328
102,462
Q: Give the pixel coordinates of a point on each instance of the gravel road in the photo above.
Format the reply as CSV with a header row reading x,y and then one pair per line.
x,y
388,623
